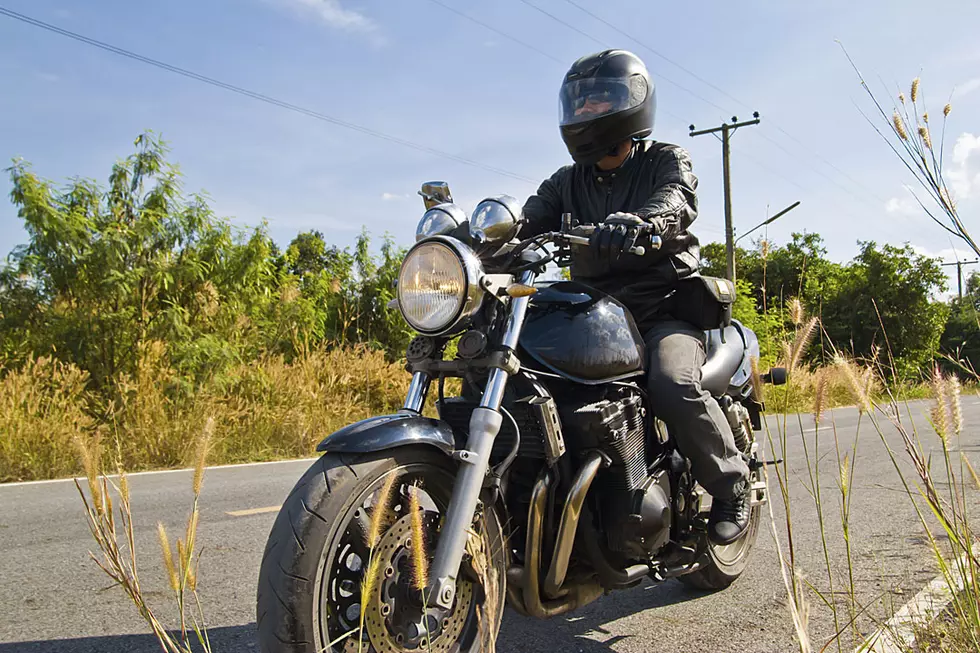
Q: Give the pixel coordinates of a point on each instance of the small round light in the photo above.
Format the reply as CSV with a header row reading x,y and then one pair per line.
x,y
440,219
496,220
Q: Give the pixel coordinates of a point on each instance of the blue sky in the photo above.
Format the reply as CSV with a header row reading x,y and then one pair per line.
x,y
417,71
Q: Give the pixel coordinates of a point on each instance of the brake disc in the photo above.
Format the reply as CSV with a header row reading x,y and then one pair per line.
x,y
443,633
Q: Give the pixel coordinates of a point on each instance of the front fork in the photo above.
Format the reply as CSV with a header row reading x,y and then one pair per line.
x,y
474,461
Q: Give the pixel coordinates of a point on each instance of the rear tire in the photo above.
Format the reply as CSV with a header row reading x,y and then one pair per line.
x,y
299,572
726,563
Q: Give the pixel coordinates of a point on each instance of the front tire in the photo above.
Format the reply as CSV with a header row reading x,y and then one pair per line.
x,y
313,568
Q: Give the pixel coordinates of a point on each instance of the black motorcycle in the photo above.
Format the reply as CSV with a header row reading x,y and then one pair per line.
x,y
544,483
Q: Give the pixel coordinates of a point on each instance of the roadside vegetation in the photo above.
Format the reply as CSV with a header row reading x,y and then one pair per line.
x,y
133,314
934,471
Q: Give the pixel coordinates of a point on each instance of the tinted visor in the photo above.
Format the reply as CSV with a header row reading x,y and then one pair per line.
x,y
587,99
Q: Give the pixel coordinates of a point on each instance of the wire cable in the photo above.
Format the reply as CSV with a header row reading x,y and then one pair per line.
x,y
260,96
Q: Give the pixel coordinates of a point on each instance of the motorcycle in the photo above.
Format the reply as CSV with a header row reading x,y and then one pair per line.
x,y
545,482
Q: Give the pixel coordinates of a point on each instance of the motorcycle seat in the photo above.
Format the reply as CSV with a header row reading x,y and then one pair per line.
x,y
724,356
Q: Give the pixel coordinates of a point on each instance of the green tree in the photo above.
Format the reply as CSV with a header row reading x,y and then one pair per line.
x,y
885,300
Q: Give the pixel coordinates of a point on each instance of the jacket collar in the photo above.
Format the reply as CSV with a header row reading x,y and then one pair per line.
x,y
603,176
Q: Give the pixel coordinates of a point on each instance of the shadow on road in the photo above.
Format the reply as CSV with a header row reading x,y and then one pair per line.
x,y
228,638
586,630
577,631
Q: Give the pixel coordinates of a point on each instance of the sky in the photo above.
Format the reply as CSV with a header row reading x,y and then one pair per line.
x,y
479,81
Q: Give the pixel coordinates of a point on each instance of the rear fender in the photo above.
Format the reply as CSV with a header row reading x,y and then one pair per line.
x,y
388,432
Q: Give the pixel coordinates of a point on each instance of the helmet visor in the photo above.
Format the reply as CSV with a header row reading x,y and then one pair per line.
x,y
587,99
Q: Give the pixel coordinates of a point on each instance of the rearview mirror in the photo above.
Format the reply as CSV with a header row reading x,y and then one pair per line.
x,y
435,192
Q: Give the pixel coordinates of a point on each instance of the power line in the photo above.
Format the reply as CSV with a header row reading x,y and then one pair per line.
x,y
496,31
260,97
656,52
606,45
726,94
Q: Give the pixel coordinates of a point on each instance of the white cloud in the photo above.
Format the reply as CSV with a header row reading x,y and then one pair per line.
x,y
48,77
962,179
390,197
902,206
333,14
966,88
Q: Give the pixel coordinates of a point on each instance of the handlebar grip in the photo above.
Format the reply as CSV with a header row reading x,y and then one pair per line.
x,y
639,250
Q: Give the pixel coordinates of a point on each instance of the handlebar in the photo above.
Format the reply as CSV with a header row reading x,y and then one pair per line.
x,y
580,236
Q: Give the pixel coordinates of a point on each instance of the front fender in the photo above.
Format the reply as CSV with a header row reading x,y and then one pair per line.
x,y
390,431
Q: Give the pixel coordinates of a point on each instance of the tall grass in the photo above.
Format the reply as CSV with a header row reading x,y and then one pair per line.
x,y
939,500
263,411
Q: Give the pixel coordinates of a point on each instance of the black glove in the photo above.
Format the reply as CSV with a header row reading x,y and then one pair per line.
x,y
616,236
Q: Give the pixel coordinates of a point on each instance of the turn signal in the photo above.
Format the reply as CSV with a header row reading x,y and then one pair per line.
x,y
520,290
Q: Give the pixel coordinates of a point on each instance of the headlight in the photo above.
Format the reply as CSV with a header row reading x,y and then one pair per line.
x,y
438,285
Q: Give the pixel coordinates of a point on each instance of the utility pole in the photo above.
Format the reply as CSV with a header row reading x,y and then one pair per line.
x,y
727,130
959,273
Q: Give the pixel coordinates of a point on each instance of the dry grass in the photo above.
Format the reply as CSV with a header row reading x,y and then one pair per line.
x,y
111,525
264,411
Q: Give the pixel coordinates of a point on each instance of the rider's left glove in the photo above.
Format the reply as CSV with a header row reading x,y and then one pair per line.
x,y
615,236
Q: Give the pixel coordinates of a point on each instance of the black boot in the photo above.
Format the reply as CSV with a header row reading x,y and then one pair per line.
x,y
729,518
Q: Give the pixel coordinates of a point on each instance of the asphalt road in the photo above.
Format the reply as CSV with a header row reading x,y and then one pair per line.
x,y
53,598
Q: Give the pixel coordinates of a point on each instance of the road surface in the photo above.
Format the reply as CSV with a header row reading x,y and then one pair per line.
x,y
54,599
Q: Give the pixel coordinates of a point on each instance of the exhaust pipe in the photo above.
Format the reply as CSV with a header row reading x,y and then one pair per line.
x,y
529,578
570,517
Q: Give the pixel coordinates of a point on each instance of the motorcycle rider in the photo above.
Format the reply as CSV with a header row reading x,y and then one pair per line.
x,y
608,104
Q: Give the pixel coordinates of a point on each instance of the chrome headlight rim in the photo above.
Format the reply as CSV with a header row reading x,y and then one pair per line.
x,y
473,293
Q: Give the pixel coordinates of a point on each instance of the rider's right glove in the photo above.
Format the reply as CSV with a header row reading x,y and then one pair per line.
x,y
615,236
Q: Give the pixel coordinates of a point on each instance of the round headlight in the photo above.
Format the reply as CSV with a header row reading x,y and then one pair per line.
x,y
440,219
438,285
495,220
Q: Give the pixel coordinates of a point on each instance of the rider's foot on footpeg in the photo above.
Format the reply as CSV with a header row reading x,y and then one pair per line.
x,y
729,518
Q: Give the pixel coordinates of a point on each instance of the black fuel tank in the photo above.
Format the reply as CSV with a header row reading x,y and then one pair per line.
x,y
582,334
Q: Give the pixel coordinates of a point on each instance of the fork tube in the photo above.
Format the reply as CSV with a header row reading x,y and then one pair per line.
x,y
474,463
417,390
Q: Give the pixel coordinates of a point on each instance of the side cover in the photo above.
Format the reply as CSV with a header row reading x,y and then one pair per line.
x,y
582,334
389,431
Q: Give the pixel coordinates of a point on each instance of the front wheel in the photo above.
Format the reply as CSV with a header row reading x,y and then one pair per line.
x,y
342,564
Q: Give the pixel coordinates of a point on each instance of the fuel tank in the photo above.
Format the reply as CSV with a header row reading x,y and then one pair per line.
x,y
582,334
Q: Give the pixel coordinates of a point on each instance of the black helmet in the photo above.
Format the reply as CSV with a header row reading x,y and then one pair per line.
x,y
606,98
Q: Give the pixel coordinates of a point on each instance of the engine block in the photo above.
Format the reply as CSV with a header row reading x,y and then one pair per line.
x,y
617,428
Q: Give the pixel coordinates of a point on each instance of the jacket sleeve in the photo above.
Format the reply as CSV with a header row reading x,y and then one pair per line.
x,y
542,211
673,205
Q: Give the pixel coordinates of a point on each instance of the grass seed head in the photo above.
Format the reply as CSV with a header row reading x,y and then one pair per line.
x,y
940,407
953,400
925,117
899,126
973,472
858,390
757,386
924,135
947,109
914,91
796,311
88,453
802,340
168,557
201,457
420,557
820,395
901,97
379,513
370,581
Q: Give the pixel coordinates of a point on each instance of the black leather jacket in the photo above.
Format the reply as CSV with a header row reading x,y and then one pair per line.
x,y
656,183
